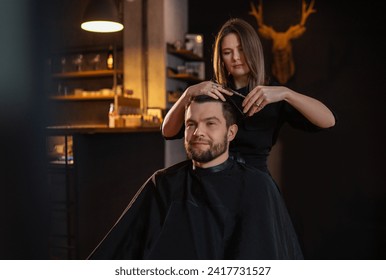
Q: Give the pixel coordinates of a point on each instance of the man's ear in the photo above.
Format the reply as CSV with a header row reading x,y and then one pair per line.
x,y
232,131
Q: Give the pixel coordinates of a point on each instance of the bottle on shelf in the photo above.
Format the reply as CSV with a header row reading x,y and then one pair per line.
x,y
110,59
112,116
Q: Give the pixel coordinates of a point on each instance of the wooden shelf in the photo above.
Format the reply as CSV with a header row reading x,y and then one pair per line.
x,y
184,54
183,77
98,128
81,97
85,48
84,74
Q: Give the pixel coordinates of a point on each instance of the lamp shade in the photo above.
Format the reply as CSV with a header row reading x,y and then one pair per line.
x,y
101,16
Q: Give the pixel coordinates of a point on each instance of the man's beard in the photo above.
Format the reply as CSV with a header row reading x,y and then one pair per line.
x,y
214,151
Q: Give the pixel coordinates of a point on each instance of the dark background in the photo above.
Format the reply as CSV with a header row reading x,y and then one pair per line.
x,y
24,211
333,182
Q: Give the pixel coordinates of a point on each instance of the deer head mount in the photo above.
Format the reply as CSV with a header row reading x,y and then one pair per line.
x,y
283,67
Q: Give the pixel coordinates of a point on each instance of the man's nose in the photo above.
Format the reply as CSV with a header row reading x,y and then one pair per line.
x,y
198,131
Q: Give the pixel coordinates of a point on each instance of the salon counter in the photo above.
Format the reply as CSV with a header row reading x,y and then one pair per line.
x,y
96,128
102,172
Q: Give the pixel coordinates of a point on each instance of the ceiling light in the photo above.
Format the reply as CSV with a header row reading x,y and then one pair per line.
x,y
101,16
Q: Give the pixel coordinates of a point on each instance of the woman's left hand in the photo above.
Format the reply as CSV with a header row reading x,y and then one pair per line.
x,y
261,96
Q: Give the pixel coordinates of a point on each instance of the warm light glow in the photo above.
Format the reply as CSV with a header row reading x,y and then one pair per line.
x,y
102,26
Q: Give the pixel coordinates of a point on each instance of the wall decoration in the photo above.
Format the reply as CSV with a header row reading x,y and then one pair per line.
x,y
283,66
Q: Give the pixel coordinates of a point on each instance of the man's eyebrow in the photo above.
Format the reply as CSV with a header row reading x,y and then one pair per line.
x,y
212,118
206,119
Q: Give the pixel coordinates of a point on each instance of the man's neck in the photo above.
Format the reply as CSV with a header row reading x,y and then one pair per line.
x,y
217,161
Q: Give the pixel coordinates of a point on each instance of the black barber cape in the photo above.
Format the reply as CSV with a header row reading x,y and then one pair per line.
x,y
230,211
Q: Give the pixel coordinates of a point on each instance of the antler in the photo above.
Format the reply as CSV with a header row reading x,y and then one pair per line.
x,y
295,31
307,11
265,30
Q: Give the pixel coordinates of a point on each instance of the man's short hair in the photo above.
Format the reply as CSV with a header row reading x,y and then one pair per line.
x,y
228,109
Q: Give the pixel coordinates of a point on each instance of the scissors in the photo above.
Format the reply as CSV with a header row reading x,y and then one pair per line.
x,y
234,92
228,89
233,102
230,99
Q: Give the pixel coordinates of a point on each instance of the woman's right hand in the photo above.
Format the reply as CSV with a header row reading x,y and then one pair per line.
x,y
209,88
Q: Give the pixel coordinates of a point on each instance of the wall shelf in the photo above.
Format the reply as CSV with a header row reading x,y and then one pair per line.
x,y
85,74
81,97
191,70
183,77
183,54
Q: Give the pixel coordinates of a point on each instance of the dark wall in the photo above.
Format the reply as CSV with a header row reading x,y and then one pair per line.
x,y
333,182
30,31
24,214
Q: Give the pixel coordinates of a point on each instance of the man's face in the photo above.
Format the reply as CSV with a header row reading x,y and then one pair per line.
x,y
206,135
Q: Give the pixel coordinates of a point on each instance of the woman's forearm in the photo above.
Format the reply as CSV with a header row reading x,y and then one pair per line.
x,y
174,119
314,110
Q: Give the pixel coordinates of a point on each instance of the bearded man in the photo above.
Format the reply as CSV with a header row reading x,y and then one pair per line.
x,y
207,207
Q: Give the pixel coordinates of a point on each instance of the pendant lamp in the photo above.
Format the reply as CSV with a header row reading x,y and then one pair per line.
x,y
101,16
